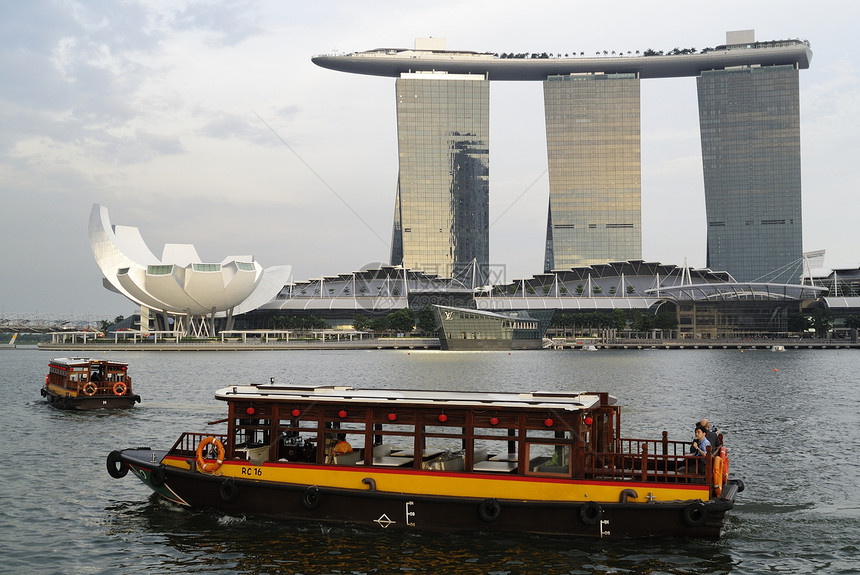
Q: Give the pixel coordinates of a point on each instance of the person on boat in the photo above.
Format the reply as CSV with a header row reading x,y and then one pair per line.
x,y
700,446
701,443
335,443
712,436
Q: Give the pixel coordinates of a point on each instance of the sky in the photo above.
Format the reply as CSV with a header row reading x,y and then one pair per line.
x,y
206,122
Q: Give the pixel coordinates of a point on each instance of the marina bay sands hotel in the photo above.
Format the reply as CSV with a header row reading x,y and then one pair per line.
x,y
749,122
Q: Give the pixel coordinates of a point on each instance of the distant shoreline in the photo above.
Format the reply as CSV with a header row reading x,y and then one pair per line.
x,y
433,343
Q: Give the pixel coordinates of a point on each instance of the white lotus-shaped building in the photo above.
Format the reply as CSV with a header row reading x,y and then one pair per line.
x,y
179,283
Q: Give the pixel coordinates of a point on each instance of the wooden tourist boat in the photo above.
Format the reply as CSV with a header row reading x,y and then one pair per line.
x,y
536,462
83,383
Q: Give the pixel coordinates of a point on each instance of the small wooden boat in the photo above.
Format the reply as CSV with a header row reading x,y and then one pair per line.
x,y
540,462
84,383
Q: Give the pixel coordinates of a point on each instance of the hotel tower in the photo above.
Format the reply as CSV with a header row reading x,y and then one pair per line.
x,y
749,119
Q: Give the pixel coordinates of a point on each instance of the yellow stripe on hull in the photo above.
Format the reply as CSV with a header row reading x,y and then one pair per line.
x,y
455,484
61,391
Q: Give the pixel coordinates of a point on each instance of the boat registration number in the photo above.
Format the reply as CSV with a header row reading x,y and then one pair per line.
x,y
252,471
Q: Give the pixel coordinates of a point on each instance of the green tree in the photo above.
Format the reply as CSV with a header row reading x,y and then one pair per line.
x,y
402,320
822,321
379,324
426,320
105,324
798,323
361,323
641,321
619,319
666,320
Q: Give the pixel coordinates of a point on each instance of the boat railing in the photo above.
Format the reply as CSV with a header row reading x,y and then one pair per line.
x,y
659,460
103,387
187,443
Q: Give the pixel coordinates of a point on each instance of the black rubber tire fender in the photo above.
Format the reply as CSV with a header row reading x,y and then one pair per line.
x,y
229,490
695,514
116,467
158,476
311,498
489,510
590,513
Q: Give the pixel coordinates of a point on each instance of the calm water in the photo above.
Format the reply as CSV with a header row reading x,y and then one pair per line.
x,y
790,420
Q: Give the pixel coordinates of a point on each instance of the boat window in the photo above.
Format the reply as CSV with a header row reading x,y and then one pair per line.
x,y
548,459
252,432
497,444
344,442
297,439
443,437
398,437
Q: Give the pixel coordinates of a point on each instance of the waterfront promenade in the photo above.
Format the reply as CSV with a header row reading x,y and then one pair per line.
x,y
106,344
731,343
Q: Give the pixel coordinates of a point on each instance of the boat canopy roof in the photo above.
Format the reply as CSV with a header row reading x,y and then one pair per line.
x,y
569,401
83,361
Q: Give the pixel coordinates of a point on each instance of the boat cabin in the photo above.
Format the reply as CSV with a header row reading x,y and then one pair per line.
x,y
551,434
86,383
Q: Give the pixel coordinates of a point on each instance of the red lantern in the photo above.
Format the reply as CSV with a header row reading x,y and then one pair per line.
x,y
341,414
443,418
296,412
494,421
548,422
392,416
588,421
250,411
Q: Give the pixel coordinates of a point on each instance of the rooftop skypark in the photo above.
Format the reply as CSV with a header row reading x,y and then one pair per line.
x,y
393,62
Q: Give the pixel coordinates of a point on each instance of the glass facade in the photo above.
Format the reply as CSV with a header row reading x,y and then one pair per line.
x,y
594,157
737,320
750,130
441,216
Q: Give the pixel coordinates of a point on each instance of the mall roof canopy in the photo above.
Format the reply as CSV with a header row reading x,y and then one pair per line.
x,y
737,291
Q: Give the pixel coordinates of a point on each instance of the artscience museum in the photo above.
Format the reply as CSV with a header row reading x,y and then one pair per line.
x,y
185,293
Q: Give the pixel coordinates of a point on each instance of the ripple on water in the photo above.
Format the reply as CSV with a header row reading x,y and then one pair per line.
x,y
792,434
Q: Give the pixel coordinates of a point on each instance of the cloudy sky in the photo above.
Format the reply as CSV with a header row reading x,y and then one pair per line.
x,y
205,122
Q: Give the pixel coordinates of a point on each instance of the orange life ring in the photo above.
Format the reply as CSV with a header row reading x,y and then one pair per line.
x,y
90,389
119,388
209,466
725,457
718,475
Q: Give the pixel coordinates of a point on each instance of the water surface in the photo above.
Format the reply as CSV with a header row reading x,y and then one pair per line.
x,y
790,421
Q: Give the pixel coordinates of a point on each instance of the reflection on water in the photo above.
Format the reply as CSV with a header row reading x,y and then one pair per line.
x,y
790,421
